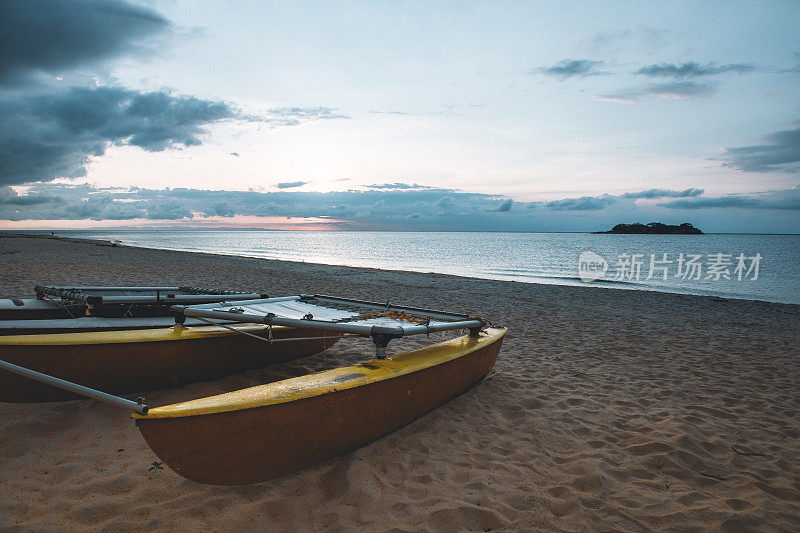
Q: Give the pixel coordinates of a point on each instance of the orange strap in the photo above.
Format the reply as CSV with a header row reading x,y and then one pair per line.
x,y
397,315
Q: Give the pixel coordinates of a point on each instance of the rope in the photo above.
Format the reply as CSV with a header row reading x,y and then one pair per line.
x,y
483,321
59,304
397,315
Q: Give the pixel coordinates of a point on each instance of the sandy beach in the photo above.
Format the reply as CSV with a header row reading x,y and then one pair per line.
x,y
606,410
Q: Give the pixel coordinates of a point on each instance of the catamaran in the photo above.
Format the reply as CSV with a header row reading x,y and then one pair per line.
x,y
258,433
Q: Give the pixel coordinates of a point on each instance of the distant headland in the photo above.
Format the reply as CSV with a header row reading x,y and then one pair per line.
x,y
654,228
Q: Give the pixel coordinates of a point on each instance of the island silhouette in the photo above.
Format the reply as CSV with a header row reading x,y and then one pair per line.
x,y
654,228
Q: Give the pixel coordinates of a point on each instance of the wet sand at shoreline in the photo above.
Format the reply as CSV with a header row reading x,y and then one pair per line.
x,y
607,409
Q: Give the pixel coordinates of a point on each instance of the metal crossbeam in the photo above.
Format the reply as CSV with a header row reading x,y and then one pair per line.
x,y
364,330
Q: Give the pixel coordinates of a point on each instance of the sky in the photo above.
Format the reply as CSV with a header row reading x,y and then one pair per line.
x,y
479,116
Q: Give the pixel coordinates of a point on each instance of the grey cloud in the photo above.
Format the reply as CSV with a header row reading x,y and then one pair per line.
x,y
371,205
571,68
53,35
168,210
584,203
294,116
702,203
400,113
663,193
291,184
10,197
445,203
641,39
398,186
222,209
692,70
679,89
781,148
789,202
796,67
601,40
53,135
505,206
96,207
429,209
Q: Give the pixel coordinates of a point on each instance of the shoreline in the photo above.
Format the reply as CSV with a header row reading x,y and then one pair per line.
x,y
606,410
101,242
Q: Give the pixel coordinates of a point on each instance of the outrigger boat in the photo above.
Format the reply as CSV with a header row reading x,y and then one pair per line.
x,y
132,354
73,302
262,432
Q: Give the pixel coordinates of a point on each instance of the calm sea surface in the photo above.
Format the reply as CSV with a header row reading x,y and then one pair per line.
x,y
759,267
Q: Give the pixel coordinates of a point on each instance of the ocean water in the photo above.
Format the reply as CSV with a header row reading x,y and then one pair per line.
x,y
757,267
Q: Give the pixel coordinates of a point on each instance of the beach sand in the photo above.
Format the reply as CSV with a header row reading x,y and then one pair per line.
x,y
607,410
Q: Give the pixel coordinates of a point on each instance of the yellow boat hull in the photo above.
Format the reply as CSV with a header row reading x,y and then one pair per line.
x,y
263,432
128,361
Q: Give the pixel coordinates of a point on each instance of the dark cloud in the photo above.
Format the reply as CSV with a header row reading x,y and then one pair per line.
x,y
52,130
663,193
584,203
692,70
54,35
398,186
291,184
781,151
53,135
675,89
571,68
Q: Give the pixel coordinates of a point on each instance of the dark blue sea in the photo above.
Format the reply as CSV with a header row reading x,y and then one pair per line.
x,y
757,267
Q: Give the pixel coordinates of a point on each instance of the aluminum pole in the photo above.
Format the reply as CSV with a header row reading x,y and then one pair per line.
x,y
74,387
